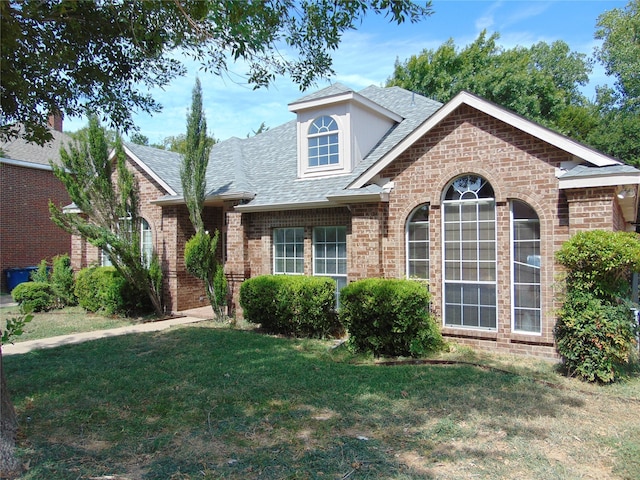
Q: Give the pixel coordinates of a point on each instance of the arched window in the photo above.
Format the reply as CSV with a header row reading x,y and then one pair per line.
x,y
146,242
417,243
525,243
323,142
469,254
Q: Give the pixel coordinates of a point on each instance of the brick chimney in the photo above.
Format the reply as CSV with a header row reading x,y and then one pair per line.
x,y
55,121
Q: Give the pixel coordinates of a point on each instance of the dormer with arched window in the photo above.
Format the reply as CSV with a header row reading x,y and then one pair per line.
x,y
337,128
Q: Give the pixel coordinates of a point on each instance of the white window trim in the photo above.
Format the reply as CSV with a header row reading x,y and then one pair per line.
x,y
407,243
306,171
346,258
513,275
275,269
444,281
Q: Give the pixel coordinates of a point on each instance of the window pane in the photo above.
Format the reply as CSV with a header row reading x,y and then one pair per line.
x,y
288,250
451,232
452,212
469,231
470,254
526,268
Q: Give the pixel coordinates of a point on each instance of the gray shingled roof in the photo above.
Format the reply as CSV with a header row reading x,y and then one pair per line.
x,y
20,149
586,171
263,169
266,165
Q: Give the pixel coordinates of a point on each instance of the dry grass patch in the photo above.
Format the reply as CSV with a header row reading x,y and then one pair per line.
x,y
214,403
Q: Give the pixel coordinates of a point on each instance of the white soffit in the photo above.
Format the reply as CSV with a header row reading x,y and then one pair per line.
x,y
345,97
465,98
605,180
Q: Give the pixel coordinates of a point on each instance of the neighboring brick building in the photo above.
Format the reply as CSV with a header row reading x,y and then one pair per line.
x,y
385,183
27,184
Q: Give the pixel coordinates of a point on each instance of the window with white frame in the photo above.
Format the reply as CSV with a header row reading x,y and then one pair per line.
x,y
417,243
525,241
288,251
323,142
330,253
146,244
469,254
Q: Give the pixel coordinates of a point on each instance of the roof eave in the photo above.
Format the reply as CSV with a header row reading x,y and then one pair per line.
x,y
465,98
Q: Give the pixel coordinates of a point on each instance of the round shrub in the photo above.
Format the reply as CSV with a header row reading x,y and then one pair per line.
x,y
101,289
291,305
389,317
594,338
35,296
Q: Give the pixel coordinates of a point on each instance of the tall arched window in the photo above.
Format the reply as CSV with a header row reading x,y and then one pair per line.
x,y
417,243
323,142
470,254
525,241
146,242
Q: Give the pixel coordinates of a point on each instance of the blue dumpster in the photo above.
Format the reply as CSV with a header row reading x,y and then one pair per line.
x,y
16,276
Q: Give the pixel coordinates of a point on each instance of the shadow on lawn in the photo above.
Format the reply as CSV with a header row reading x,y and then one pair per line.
x,y
211,403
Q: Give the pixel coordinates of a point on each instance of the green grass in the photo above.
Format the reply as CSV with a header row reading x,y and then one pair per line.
x,y
213,403
61,322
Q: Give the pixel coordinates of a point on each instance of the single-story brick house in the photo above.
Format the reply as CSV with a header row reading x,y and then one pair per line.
x,y
27,184
386,183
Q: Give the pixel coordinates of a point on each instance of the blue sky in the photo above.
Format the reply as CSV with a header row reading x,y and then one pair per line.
x,y
366,57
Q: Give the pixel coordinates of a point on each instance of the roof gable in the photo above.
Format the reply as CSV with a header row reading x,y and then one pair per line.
x,y
562,142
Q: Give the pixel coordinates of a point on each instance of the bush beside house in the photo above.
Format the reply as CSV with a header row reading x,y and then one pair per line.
x,y
596,329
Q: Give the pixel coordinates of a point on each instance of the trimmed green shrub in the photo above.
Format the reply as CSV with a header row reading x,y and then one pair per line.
x,y
34,296
595,331
101,289
389,317
41,275
594,338
291,305
601,262
62,281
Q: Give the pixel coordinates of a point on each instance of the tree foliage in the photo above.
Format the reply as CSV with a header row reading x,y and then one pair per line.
x,y
66,55
200,250
543,82
195,159
538,82
108,198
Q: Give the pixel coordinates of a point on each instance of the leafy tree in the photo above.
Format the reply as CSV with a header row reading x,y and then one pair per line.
x,y
139,139
539,82
261,129
109,201
109,53
618,109
199,252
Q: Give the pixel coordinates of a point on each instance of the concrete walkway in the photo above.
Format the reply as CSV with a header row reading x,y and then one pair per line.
x,y
190,316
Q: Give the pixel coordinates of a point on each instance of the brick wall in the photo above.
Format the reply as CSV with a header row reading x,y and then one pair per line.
x,y
517,166
27,234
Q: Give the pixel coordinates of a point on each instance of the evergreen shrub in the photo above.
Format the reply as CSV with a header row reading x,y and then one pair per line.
x,y
34,296
102,289
62,281
292,305
595,330
389,317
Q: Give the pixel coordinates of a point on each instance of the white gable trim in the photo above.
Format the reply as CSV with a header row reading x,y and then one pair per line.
x,y
576,149
345,97
145,167
25,164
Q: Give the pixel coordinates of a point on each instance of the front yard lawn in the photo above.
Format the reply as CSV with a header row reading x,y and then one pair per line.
x,y
205,402
66,321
